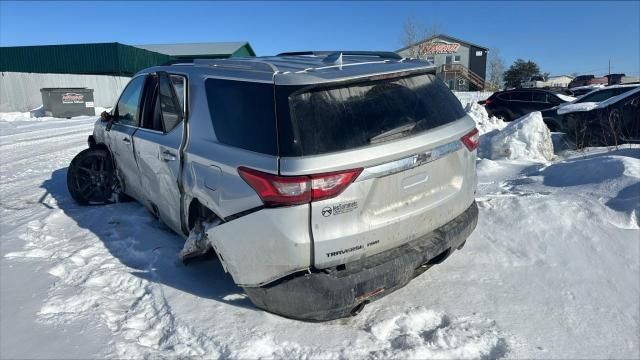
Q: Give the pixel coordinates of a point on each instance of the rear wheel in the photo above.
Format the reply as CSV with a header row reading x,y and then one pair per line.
x,y
90,178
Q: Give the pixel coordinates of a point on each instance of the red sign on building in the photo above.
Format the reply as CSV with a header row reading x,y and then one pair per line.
x,y
439,47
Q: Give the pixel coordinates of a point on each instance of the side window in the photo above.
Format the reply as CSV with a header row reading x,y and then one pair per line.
x,y
243,114
128,107
504,96
521,96
170,105
540,97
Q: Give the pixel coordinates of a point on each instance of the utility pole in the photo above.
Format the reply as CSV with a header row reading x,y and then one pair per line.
x,y
609,66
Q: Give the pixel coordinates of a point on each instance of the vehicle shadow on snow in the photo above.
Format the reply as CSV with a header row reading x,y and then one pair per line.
x,y
138,240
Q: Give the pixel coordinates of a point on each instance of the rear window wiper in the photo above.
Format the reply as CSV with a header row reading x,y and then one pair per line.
x,y
394,133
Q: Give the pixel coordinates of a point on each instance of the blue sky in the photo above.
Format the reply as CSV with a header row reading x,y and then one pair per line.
x,y
562,37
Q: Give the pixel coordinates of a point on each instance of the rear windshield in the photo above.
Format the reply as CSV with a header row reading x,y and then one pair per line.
x,y
320,120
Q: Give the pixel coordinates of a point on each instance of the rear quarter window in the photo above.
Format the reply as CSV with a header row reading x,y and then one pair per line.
x,y
243,114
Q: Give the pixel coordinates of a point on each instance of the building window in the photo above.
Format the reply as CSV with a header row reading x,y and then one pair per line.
x,y
456,58
479,53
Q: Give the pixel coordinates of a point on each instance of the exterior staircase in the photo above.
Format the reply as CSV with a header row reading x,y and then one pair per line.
x,y
460,70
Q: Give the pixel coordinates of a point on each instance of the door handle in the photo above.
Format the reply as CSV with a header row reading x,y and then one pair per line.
x,y
126,141
167,156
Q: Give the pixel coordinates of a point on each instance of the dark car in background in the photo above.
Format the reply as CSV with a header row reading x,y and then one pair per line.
x,y
583,90
612,122
512,104
555,120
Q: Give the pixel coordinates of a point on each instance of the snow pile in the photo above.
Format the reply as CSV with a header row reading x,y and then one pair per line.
x,y
16,116
526,138
484,122
427,334
467,97
37,114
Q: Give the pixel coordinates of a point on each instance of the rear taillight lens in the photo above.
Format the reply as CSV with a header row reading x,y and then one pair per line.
x,y
328,185
471,140
277,190
487,102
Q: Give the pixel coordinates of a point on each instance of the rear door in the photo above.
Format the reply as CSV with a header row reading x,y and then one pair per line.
x,y
120,138
521,103
403,135
158,145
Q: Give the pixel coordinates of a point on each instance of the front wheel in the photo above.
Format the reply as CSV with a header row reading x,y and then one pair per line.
x,y
90,177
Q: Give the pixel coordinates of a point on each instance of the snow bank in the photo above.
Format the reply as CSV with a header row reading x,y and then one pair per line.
x,y
484,122
36,115
467,97
526,138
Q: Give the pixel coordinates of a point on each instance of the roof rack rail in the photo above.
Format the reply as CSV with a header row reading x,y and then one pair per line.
x,y
379,54
238,63
178,61
254,64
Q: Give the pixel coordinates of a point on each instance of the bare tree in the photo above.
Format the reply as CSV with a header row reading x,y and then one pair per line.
x,y
410,37
496,69
414,33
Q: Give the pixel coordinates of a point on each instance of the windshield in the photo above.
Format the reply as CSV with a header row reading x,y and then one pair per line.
x,y
335,118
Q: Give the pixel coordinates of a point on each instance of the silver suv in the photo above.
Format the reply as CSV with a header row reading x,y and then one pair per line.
x,y
322,180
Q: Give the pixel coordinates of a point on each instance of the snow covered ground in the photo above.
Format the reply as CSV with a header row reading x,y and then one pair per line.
x,y
551,271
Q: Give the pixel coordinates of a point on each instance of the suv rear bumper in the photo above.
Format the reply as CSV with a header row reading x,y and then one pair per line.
x,y
334,293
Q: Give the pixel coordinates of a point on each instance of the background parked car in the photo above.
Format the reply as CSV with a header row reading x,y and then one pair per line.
x,y
583,80
512,104
582,90
555,120
612,122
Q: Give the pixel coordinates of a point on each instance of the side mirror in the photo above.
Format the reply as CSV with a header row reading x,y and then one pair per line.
x,y
105,116
110,119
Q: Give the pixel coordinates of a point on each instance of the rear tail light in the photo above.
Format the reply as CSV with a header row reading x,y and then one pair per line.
x,y
471,140
277,190
487,102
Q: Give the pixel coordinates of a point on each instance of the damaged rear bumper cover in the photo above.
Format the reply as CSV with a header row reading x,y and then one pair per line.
x,y
334,293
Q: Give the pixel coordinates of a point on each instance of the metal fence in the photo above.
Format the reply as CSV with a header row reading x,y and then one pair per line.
x,y
21,91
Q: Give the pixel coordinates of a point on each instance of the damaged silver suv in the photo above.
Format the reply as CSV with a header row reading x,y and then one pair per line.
x,y
322,180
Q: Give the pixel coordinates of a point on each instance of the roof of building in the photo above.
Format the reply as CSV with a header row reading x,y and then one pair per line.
x,y
557,76
442,36
308,67
96,58
213,49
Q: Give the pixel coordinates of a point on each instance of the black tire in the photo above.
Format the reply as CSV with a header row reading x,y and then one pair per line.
x,y
90,177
